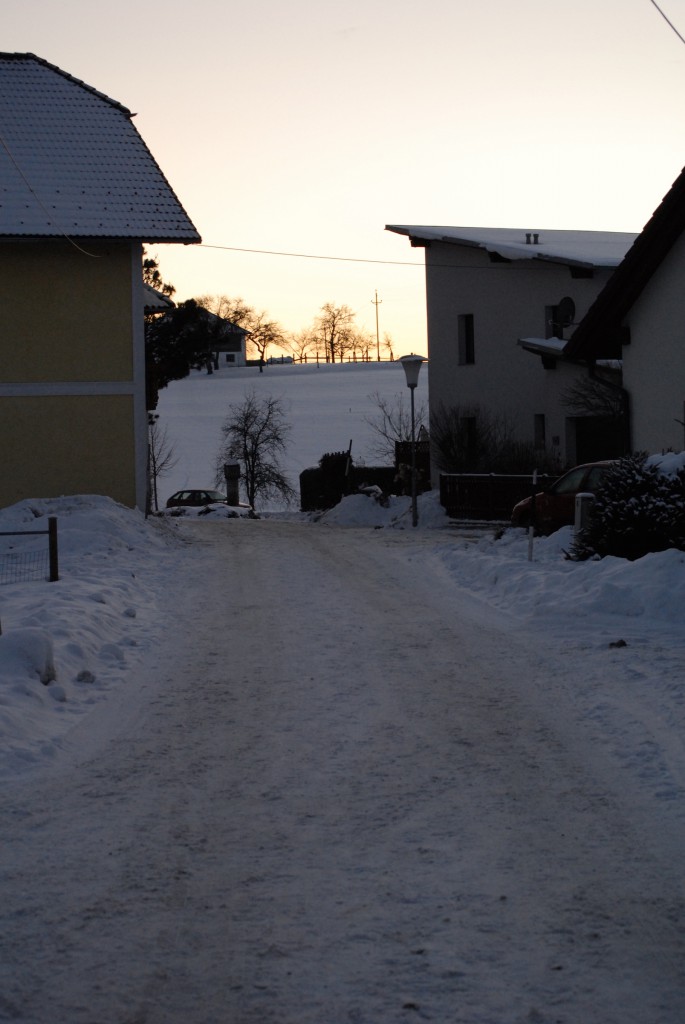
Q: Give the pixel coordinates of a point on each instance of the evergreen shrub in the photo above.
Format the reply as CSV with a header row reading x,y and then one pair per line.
x,y
637,509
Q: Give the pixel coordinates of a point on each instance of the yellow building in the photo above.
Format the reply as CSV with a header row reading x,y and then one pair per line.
x,y
80,193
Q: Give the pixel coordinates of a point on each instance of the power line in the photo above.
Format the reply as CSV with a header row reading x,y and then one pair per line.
x,y
310,256
506,264
668,22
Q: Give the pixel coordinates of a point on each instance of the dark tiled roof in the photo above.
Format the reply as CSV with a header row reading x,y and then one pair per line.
x,y
72,163
601,332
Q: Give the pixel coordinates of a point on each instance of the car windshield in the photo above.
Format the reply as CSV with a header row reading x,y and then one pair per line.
x,y
570,483
594,478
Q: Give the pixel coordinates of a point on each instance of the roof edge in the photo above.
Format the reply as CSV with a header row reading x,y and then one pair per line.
x,y
65,74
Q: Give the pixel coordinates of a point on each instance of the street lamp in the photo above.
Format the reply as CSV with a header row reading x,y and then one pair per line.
x,y
412,366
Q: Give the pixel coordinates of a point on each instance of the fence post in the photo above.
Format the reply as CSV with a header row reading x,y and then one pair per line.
x,y
52,544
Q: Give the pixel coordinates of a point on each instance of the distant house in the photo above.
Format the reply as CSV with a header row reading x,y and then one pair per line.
x,y
229,342
639,318
79,195
501,303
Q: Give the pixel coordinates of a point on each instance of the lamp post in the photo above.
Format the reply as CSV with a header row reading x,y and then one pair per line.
x,y
412,366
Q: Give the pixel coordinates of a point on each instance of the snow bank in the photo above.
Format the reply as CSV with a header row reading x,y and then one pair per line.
x,y
64,645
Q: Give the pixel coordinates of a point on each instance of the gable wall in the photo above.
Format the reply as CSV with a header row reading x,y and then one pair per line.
x,y
72,371
508,302
65,315
654,361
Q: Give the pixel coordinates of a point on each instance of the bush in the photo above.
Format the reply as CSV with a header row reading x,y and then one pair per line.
x,y
637,509
470,439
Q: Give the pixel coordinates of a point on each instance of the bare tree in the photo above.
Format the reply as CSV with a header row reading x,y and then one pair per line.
x,y
262,331
161,455
301,344
334,327
361,342
392,423
387,345
596,396
470,439
256,433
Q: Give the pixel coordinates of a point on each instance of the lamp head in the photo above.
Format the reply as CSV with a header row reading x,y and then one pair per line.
x,y
412,365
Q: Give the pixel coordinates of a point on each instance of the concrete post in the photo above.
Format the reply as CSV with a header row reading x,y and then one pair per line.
x,y
232,477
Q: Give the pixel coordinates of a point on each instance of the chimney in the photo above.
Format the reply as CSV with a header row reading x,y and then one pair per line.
x,y
527,237
535,238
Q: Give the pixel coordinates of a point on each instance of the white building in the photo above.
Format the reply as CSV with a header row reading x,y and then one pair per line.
x,y
500,304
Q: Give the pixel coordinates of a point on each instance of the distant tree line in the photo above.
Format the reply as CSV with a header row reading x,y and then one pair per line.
x,y
186,336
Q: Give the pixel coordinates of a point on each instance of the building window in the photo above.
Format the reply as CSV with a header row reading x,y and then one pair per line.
x,y
230,358
539,433
552,328
465,337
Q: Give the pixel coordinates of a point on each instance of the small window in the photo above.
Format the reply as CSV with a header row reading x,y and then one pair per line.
x,y
465,337
539,430
552,326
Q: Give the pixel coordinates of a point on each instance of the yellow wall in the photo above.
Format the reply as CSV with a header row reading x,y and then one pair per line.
x,y
67,445
65,315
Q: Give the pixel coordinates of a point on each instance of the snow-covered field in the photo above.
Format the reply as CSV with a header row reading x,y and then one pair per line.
x,y
326,405
597,656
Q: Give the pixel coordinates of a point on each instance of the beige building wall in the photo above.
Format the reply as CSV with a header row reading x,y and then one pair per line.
x,y
65,444
65,311
654,361
72,370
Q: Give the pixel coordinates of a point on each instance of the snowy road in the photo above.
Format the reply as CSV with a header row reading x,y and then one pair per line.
x,y
355,796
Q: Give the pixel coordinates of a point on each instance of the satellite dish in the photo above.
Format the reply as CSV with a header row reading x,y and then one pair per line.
x,y
566,311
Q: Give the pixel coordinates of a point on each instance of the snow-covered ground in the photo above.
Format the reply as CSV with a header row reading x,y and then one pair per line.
x,y
596,656
95,621
327,406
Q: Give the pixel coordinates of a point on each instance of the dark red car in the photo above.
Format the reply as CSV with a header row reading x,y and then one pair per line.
x,y
556,506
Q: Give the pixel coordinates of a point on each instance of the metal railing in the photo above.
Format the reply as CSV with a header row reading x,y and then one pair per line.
x,y
488,496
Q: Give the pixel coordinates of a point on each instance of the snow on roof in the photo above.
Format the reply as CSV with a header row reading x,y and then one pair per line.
x,y
543,346
586,248
72,163
156,302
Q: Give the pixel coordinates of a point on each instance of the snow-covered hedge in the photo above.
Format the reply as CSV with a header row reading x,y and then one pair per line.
x,y
639,508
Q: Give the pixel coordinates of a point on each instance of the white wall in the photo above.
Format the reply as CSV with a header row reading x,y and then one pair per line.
x,y
654,361
508,302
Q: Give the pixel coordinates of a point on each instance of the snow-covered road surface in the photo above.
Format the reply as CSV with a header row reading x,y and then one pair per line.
x,y
355,796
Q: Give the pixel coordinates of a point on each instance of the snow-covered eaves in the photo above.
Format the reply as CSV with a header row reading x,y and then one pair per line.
x,y
156,302
575,248
72,163
543,346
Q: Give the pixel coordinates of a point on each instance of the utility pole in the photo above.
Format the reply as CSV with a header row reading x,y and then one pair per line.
x,y
376,302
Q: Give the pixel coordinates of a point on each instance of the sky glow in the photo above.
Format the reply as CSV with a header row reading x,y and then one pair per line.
x,y
305,127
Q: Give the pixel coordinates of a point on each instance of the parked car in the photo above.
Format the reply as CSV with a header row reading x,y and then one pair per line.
x,y
556,506
195,499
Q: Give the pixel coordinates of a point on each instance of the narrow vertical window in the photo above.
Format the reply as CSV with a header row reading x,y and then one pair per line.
x,y
539,430
465,337
552,329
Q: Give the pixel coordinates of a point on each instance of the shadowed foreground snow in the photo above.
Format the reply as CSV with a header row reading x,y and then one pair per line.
x,y
340,771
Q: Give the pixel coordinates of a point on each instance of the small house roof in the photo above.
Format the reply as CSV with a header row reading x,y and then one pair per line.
x,y
156,302
574,248
72,163
601,331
